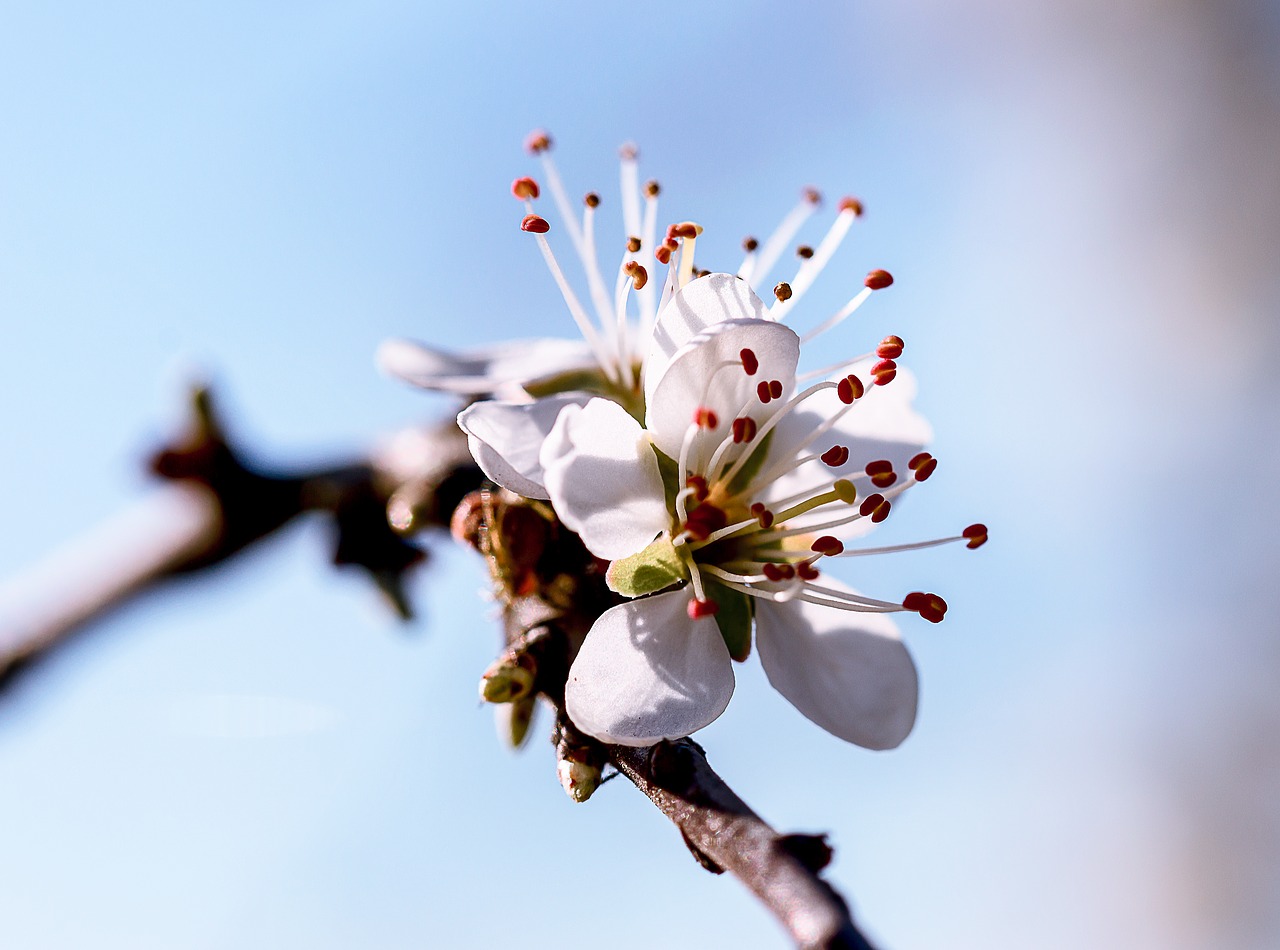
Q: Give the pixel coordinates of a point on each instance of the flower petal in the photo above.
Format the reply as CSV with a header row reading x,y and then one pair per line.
x,y
506,437
697,376
700,304
603,480
493,369
647,672
848,672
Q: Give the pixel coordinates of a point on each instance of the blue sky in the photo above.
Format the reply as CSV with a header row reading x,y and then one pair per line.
x,y
262,758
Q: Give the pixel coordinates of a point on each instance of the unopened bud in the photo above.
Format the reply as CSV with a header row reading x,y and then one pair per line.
x,y
509,678
578,778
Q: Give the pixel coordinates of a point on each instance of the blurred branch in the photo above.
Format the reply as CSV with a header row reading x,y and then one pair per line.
x,y
219,503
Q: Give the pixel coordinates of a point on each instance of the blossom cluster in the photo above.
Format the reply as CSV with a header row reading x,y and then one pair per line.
x,y
680,441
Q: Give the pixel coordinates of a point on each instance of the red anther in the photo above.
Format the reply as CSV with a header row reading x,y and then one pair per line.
x,y
870,503
772,572
881,473
744,429
639,276
749,244
775,388
591,199
881,512
524,188
918,459
535,224
685,229
878,279
851,204
704,520
890,348
827,546
929,606
922,472
662,254
782,291
977,535
702,608
652,188
835,456
804,252
705,418
699,485
849,389
763,391
762,514
633,244
539,140
813,196
749,361
807,572
884,371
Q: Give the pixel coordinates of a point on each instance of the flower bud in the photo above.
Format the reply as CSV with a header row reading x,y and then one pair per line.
x,y
512,720
579,779
508,679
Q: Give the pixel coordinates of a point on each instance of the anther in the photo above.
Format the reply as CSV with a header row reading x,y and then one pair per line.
x,y
538,141
749,361
828,546
744,429
835,456
524,188
884,371
876,506
749,244
702,608
705,418
591,200
929,606
922,466
639,276
878,279
704,520
775,388
685,229
534,224
881,473
762,514
782,291
662,254
851,204
628,151
890,348
698,485
652,189
633,245
778,572
807,572
813,196
804,252
977,535
849,389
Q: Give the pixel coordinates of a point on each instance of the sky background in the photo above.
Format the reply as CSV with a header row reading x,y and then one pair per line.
x,y
1080,203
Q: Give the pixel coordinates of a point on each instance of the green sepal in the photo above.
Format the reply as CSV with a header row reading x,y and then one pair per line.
x,y
733,618
592,381
655,568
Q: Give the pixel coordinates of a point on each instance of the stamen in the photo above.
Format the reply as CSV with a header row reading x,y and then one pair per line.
x,y
884,372
881,473
525,189
876,280
814,262
744,429
702,608
827,546
782,291
980,537
890,348
534,224
539,227
849,389
835,456
749,362
976,535
785,233
929,606
630,185
879,280
876,507
922,465
705,418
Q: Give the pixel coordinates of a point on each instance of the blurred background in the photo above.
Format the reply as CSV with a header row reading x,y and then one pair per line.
x,y
1081,203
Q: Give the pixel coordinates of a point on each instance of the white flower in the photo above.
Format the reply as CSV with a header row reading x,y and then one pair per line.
x,y
736,487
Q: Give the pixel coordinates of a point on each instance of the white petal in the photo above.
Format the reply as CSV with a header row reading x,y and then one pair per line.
x,y
694,377
848,672
483,370
647,672
603,481
701,303
506,438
